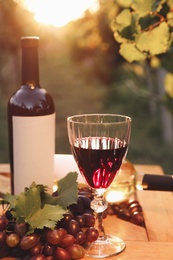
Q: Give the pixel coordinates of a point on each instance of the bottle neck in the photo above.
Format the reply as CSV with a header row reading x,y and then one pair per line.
x,y
30,66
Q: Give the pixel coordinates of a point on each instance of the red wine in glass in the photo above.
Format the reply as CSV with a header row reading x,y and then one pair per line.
x,y
99,159
99,143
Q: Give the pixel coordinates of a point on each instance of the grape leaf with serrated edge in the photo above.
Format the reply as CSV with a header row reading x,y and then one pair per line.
x,y
155,41
143,7
27,203
130,53
67,191
123,19
32,205
9,199
126,23
45,217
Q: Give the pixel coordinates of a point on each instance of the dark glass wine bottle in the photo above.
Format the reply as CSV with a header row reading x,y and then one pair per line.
x,y
31,121
154,182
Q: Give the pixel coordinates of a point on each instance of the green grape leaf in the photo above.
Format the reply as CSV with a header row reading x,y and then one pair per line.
x,y
144,7
131,53
169,84
67,190
45,217
9,199
118,37
40,209
123,19
126,24
155,41
27,203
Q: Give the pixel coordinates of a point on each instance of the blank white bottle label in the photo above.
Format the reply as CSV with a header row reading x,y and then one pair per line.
x,y
33,151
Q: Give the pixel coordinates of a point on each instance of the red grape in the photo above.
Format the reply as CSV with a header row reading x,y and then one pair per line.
x,y
67,240
37,249
61,253
21,229
91,234
86,201
27,242
76,251
73,227
89,219
80,219
54,236
80,238
12,240
62,231
48,249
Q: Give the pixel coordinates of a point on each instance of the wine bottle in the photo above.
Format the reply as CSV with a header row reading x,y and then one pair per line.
x,y
31,123
154,182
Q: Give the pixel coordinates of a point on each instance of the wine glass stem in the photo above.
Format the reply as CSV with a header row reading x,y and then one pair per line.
x,y
99,205
99,219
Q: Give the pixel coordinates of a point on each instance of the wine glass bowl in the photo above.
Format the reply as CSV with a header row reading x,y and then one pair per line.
x,y
99,144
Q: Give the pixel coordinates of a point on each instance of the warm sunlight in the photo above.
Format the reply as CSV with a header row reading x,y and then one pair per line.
x,y
58,12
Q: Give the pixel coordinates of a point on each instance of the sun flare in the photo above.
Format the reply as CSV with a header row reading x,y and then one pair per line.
x,y
58,12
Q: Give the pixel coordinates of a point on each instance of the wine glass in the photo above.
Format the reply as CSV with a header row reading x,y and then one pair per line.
x,y
99,143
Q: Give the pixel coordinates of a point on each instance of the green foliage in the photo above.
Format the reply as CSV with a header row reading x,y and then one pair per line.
x,y
153,39
144,31
143,7
131,53
40,209
67,192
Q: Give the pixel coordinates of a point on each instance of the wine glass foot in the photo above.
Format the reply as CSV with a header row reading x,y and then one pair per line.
x,y
102,248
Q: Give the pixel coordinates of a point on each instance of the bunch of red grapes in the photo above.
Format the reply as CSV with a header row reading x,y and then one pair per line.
x,y
65,242
72,233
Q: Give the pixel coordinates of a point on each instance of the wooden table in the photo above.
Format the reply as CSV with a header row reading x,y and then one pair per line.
x,y
153,242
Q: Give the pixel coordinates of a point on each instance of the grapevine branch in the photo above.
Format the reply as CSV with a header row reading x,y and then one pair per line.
x,y
154,25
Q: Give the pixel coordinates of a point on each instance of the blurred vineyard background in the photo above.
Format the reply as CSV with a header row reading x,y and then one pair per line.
x,y
81,68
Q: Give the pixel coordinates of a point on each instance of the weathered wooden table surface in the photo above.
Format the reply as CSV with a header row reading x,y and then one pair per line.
x,y
155,241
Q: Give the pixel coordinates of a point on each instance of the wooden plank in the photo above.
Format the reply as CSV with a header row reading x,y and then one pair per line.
x,y
136,250
124,229
157,207
158,214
